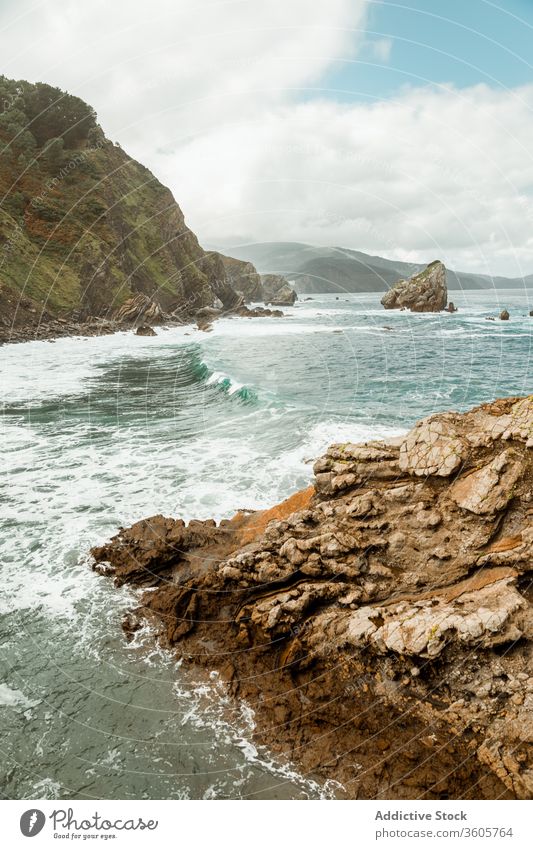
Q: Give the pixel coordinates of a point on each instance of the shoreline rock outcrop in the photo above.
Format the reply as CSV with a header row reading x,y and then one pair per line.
x,y
145,330
276,291
424,292
380,622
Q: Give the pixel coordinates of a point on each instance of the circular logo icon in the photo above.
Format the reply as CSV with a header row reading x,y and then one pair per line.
x,y
32,822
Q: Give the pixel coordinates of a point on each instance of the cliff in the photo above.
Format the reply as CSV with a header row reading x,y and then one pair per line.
x,y
380,623
84,228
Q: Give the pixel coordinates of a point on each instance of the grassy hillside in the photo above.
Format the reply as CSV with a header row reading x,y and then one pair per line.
x,y
83,226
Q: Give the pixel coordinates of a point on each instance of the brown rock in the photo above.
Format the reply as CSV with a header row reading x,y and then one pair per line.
x,y
385,611
491,488
424,292
140,308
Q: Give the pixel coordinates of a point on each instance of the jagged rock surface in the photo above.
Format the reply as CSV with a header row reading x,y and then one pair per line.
x,y
145,330
380,623
243,278
424,292
284,297
140,308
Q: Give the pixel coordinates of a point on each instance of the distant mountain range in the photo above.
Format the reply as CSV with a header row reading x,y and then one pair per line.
x,y
314,269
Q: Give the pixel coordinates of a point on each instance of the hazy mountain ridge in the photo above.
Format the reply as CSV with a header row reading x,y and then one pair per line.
x,y
333,269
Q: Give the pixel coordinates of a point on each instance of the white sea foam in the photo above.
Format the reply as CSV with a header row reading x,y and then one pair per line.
x,y
234,725
46,788
221,379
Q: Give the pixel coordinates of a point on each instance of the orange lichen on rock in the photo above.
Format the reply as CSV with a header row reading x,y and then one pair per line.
x,y
506,544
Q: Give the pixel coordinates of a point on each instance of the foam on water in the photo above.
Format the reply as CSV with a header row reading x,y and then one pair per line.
x,y
252,328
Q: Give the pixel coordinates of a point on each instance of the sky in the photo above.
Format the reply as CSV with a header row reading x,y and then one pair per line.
x,y
403,129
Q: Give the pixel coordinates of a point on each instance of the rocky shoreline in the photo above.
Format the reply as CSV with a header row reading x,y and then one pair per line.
x,y
380,622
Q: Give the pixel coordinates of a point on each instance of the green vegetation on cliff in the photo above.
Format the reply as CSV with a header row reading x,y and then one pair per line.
x,y
83,227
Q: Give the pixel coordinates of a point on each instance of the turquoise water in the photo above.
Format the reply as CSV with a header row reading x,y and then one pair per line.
x,y
97,433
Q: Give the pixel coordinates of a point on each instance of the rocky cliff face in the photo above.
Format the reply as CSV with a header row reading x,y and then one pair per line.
x,y
83,227
425,292
380,622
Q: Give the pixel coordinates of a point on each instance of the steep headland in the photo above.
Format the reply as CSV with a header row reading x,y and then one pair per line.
x,y
380,622
84,228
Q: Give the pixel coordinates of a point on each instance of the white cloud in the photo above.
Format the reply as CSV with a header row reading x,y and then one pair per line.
x,y
220,100
161,71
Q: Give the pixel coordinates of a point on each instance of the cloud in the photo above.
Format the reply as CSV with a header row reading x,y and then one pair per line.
x,y
165,70
432,173
226,102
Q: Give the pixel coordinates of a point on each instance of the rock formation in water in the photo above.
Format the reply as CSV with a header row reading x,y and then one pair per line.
x,y
276,291
380,623
504,315
284,297
243,278
424,292
85,229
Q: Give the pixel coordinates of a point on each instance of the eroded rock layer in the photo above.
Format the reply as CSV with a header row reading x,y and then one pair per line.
x,y
424,292
379,622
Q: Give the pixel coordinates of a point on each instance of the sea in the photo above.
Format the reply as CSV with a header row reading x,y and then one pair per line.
x,y
99,432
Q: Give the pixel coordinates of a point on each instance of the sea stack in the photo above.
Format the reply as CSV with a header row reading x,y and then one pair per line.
x,y
276,291
424,292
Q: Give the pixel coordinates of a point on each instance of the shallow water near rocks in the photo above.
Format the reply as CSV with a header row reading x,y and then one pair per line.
x,y
97,433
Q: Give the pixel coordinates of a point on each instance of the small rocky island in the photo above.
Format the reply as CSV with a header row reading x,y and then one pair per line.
x,y
380,622
424,292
